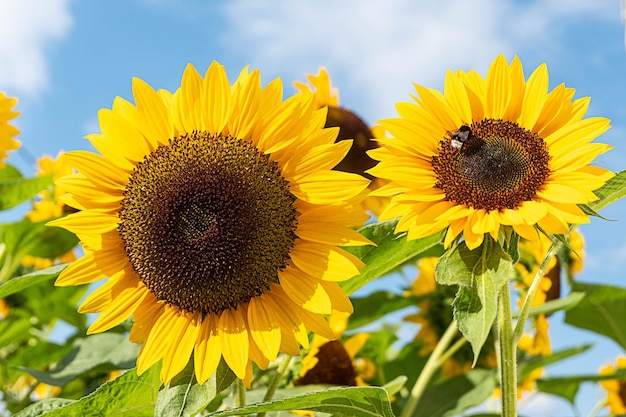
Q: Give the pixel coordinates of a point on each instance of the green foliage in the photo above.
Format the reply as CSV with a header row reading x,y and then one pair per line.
x,y
34,239
480,274
343,401
129,395
376,305
184,397
390,253
455,395
100,352
15,189
567,387
601,310
20,283
613,190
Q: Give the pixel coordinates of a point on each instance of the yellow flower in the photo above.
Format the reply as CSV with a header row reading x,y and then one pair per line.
x,y
615,389
352,127
334,362
49,205
4,309
7,131
38,391
216,217
490,152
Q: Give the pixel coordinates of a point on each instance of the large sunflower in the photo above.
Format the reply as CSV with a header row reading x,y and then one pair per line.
x,y
7,131
500,151
216,217
352,127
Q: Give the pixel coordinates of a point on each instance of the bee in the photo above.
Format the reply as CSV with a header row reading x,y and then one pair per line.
x,y
460,136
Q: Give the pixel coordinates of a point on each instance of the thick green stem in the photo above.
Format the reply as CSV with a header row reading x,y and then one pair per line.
x,y
507,350
429,369
534,286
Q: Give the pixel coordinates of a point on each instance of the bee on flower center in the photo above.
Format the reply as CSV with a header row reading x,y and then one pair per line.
x,y
459,136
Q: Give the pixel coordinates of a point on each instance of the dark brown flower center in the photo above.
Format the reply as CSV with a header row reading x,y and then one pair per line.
x,y
353,127
334,367
207,221
499,166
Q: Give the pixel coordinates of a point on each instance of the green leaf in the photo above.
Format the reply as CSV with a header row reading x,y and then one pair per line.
x,y
536,362
475,306
376,305
560,304
14,330
15,189
42,407
394,386
341,401
224,376
20,283
52,242
613,190
567,387
129,395
36,239
183,396
456,266
92,352
601,311
455,395
391,252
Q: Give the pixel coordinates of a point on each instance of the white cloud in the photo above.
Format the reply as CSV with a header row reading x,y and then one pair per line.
x,y
27,29
377,49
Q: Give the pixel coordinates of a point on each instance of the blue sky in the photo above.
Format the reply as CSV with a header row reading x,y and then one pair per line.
x,y
66,59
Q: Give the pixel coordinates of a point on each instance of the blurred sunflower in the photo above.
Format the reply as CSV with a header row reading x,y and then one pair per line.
x,y
615,389
335,362
49,205
216,217
490,152
4,309
351,127
7,131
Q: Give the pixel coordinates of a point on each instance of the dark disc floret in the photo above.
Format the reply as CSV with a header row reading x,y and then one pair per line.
x,y
334,367
207,221
500,166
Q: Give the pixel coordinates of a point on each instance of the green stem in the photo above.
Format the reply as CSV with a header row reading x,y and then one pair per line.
x,y
240,394
534,286
453,349
508,360
283,365
429,369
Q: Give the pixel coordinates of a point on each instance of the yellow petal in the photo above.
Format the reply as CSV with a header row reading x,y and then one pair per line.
x,y
183,335
305,291
208,350
264,327
233,335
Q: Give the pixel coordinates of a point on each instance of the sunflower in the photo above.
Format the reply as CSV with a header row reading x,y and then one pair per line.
x,y
216,217
351,126
49,205
615,389
335,362
7,131
490,152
